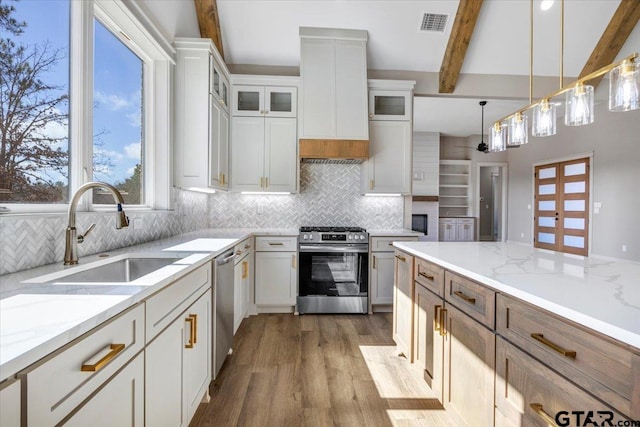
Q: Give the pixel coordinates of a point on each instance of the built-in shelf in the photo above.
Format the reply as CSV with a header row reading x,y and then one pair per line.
x,y
454,186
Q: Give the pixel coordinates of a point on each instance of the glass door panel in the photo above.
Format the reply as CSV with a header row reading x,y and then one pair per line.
x,y
281,101
248,101
389,105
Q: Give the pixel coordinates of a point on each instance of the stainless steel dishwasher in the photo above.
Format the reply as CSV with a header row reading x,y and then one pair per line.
x,y
223,302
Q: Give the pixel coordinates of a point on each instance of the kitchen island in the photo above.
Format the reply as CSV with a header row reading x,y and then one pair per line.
x,y
537,332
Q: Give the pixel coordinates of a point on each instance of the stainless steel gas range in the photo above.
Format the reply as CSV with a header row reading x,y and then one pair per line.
x,y
333,270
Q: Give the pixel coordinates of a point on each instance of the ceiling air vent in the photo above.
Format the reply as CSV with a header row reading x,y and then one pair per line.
x,y
434,22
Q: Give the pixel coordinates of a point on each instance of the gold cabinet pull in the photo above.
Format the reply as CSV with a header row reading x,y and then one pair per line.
x,y
276,244
245,270
238,253
390,244
436,319
467,298
293,262
426,276
191,320
247,246
262,182
266,182
401,258
370,184
374,262
443,322
541,339
195,327
114,349
538,409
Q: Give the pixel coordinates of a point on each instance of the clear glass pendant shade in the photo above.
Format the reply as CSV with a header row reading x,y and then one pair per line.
x,y
544,119
518,130
497,138
624,87
579,106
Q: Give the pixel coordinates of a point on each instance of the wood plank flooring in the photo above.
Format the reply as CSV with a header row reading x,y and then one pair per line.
x,y
318,370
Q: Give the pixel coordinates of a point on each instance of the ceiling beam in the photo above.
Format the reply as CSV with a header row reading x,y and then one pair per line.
x,y
209,23
465,22
615,35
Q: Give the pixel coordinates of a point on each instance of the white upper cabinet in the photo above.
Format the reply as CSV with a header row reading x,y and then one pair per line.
x,y
269,101
388,168
201,142
333,72
264,155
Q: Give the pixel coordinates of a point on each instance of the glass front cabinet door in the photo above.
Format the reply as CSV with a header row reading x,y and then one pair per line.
x,y
389,105
270,101
219,85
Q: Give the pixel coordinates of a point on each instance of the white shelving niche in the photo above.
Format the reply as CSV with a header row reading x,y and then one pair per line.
x,y
455,188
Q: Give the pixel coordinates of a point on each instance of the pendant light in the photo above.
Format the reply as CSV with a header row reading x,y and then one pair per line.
x,y
624,87
498,138
579,105
544,119
518,130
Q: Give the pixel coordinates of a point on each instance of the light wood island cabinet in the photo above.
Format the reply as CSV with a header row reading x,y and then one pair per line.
x,y
494,359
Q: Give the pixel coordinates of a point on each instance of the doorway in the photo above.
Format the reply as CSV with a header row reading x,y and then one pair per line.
x,y
491,197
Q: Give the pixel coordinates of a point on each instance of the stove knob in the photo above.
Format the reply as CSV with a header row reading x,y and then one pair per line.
x,y
361,237
310,236
350,237
305,237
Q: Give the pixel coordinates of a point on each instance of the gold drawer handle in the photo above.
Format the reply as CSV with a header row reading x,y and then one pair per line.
x,y
436,319
276,244
192,319
293,262
467,298
374,262
401,258
538,409
426,276
245,270
114,350
443,322
389,243
247,246
238,253
540,338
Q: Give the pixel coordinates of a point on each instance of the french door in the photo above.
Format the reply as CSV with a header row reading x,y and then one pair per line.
x,y
562,206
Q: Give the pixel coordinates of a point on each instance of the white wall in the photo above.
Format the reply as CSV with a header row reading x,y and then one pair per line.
x,y
614,139
177,18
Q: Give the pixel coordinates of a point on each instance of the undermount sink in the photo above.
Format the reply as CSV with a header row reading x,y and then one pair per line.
x,y
124,270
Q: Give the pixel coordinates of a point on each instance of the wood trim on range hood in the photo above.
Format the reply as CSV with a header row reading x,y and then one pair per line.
x,y
338,149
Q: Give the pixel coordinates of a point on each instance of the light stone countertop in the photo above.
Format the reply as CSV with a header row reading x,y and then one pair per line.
x,y
38,317
600,293
393,233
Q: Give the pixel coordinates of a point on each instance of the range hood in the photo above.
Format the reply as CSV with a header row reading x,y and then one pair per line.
x,y
344,151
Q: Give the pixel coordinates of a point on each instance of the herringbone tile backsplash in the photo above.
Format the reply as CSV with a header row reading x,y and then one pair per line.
x,y
329,196
32,240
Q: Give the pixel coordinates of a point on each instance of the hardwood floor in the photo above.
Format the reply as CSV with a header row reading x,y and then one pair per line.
x,y
318,370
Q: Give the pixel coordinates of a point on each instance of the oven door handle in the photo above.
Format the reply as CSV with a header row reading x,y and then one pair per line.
x,y
360,249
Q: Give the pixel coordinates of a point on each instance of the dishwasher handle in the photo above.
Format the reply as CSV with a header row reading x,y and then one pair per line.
x,y
225,258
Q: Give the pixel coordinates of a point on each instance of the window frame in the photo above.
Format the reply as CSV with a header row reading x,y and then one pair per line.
x,y
132,26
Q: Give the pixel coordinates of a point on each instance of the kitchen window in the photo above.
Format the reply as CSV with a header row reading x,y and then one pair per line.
x,y
112,122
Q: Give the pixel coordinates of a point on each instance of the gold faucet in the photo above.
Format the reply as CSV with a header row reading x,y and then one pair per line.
x,y
72,237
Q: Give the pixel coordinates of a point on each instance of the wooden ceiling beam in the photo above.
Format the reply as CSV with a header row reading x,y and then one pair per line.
x,y
463,26
615,35
209,23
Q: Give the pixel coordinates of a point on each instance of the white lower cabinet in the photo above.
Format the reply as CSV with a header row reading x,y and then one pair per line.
x,y
242,281
276,278
120,402
61,383
10,404
178,367
381,278
457,229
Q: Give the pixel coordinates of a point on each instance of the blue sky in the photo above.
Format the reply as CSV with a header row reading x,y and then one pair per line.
x,y
117,81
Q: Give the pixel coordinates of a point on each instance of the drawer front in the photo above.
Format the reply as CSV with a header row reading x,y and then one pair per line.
x,y
385,244
60,384
429,275
166,305
529,393
10,403
276,244
243,248
473,298
465,221
593,362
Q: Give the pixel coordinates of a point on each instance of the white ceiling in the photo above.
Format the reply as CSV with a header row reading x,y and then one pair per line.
x,y
265,32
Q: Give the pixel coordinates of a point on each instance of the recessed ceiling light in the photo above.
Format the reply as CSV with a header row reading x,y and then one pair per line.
x,y
546,4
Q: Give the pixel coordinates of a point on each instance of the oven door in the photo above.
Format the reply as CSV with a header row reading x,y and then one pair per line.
x,y
339,270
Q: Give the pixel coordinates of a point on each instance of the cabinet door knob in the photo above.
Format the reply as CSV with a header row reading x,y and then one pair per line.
x,y
371,116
